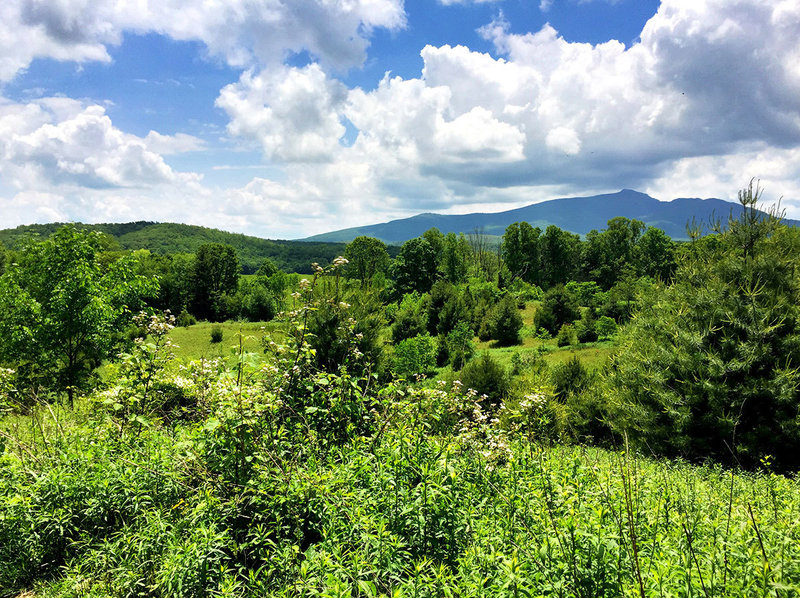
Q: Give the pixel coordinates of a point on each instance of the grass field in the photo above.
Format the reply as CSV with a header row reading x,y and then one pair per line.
x,y
194,342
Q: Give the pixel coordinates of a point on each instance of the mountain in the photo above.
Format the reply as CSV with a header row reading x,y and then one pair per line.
x,y
575,214
168,238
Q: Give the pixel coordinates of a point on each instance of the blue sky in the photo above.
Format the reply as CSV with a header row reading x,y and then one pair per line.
x,y
285,118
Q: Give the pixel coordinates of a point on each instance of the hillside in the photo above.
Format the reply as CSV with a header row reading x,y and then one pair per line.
x,y
575,214
168,238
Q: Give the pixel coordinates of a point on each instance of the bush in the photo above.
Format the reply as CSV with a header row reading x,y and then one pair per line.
x,y
586,329
606,327
411,317
216,334
505,322
570,378
185,319
566,336
487,377
460,348
415,355
558,308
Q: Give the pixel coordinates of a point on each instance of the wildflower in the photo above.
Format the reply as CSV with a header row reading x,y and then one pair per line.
x,y
340,261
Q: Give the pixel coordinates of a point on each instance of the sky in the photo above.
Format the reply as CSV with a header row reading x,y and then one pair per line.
x,y
288,118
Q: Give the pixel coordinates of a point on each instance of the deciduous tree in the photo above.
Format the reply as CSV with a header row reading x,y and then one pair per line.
x,y
62,311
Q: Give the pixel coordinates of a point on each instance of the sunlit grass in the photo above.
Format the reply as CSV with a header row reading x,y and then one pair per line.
x,y
194,342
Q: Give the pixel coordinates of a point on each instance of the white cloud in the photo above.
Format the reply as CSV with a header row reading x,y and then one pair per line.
x,y
293,113
242,32
58,141
708,98
173,144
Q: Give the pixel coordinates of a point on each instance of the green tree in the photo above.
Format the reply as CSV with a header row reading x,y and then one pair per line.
x,y
559,256
414,269
411,317
216,273
366,257
454,263
710,366
488,378
505,322
606,255
62,312
521,251
558,308
654,255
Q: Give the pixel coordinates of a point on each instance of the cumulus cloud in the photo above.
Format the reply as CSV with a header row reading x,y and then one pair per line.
x,y
292,112
708,97
242,32
707,79
58,141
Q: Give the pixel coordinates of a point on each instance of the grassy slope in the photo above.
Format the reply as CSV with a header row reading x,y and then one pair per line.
x,y
405,514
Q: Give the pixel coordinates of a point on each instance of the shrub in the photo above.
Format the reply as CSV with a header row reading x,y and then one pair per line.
x,y
586,329
566,336
185,319
710,366
558,308
416,355
487,377
460,348
216,334
606,327
410,318
505,322
570,378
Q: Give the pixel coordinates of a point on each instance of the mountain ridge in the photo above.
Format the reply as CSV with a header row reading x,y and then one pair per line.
x,y
578,214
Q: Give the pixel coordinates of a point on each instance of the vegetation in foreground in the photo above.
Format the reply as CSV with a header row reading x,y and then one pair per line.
x,y
322,465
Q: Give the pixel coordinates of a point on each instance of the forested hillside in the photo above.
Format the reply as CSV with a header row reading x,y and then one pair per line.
x,y
167,239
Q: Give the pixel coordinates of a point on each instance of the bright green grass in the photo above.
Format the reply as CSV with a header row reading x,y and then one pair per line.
x,y
194,342
591,354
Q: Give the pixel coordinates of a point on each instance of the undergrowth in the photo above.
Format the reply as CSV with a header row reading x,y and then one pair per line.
x,y
284,479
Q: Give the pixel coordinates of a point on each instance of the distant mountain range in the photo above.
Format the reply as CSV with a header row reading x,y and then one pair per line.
x,y
575,214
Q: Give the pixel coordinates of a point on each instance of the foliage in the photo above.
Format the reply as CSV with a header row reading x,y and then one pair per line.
x,y
505,322
411,317
61,313
415,268
454,262
570,378
521,252
138,391
566,336
216,334
654,255
608,253
215,274
344,325
487,378
559,256
460,347
415,355
167,239
586,328
605,327
558,308
366,257
709,366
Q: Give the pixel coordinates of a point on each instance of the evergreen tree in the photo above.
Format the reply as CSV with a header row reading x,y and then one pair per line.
x,y
710,366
